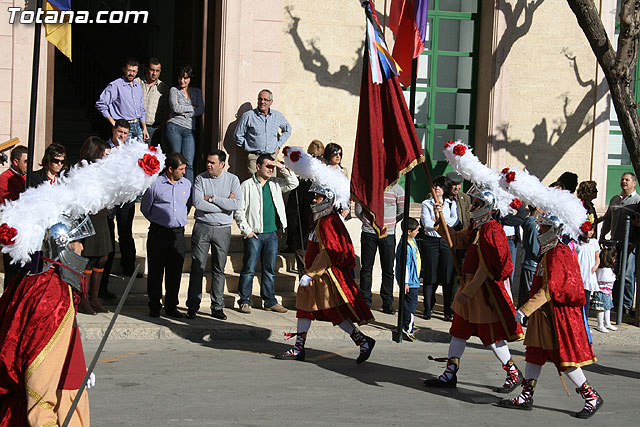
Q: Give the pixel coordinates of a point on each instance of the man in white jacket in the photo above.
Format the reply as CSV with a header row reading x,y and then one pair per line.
x,y
261,216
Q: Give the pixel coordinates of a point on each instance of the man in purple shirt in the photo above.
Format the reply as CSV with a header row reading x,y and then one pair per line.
x,y
123,99
165,204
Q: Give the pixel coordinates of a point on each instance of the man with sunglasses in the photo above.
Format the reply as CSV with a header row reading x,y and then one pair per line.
x,y
261,216
262,130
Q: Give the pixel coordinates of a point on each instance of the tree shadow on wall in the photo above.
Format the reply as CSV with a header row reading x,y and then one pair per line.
x,y
522,12
551,140
345,78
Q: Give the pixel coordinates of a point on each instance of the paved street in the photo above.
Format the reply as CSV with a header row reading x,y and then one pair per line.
x,y
182,382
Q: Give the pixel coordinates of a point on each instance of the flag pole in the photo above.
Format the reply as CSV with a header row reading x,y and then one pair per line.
x,y
33,107
407,204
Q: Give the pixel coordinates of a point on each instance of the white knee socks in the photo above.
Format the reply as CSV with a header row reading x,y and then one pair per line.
x,y
303,325
532,372
347,326
456,347
501,351
576,376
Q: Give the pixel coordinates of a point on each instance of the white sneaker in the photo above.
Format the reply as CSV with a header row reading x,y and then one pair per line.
x,y
602,329
610,326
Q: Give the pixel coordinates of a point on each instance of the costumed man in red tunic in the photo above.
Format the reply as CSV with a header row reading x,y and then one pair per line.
x,y
41,358
482,306
557,325
328,291
556,330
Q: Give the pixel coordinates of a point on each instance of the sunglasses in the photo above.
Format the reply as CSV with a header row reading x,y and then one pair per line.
x,y
58,161
270,167
336,153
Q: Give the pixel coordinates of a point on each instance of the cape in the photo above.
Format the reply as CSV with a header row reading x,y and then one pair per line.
x,y
33,316
564,292
346,300
491,248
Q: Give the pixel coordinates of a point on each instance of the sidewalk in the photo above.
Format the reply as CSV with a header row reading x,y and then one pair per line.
x,y
134,323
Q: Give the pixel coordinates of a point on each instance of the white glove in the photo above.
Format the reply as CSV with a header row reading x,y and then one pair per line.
x,y
520,316
91,382
305,280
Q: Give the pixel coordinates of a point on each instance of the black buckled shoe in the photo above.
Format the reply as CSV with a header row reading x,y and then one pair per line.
x,y
513,380
191,314
587,392
364,354
528,388
289,355
453,365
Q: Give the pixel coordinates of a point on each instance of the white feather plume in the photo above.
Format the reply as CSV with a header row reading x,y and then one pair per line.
x,y
472,169
308,167
86,189
552,201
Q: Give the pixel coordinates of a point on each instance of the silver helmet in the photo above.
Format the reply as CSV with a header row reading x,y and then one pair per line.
x,y
487,201
56,247
551,237
324,207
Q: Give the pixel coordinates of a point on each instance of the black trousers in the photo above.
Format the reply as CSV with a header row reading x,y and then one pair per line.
x,y
165,254
123,216
10,270
437,268
370,243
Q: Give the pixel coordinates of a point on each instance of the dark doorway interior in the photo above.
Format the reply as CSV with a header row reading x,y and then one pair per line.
x,y
172,33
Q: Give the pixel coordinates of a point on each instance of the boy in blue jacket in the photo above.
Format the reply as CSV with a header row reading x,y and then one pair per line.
x,y
412,276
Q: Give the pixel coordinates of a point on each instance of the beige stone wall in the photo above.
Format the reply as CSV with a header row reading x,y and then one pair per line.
x,y
16,51
548,92
307,53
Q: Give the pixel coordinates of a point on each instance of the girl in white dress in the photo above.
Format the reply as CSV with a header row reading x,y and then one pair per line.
x,y
588,251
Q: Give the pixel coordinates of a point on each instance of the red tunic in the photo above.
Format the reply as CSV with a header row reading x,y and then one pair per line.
x,y
492,250
561,317
32,315
11,185
333,238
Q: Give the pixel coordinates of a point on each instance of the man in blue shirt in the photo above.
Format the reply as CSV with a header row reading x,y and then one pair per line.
x,y
165,204
123,99
262,130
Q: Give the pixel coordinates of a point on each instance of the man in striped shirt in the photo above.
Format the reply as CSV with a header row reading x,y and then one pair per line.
x,y
393,210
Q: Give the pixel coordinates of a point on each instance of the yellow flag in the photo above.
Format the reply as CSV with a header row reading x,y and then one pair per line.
x,y
58,34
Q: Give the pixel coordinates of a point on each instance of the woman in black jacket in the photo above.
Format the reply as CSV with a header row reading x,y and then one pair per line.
x,y
53,163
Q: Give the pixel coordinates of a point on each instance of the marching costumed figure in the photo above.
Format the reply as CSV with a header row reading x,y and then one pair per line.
x,y
483,306
327,291
557,327
42,363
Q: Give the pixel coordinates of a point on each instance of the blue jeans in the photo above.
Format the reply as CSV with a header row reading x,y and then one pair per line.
x,y
629,288
154,140
180,139
135,130
513,248
265,247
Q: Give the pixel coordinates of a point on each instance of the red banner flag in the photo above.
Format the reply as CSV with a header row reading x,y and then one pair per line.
x,y
408,21
387,145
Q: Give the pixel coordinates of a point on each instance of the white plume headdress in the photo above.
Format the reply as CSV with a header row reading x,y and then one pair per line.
x,y
551,201
308,167
88,188
472,169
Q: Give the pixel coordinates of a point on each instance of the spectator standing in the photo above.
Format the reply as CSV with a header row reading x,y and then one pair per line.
x,y
462,200
370,242
435,253
412,277
587,192
123,99
531,248
588,252
53,163
155,94
299,212
261,215
165,204
261,130
185,104
216,196
123,215
333,157
98,246
12,183
620,206
601,301
569,181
